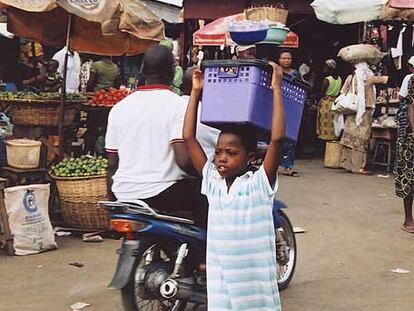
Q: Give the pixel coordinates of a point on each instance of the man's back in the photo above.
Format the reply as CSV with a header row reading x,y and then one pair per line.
x,y
141,129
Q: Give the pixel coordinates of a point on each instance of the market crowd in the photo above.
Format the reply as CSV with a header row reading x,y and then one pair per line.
x,y
325,85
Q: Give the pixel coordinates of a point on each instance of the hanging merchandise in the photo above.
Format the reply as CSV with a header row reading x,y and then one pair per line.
x,y
398,52
346,103
348,12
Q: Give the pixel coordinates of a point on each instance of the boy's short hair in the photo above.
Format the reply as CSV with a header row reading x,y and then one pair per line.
x,y
247,134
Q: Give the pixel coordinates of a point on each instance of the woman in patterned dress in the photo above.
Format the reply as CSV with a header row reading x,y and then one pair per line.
x,y
331,87
357,132
404,166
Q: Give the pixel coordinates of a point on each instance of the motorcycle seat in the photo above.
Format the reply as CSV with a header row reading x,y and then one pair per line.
x,y
142,207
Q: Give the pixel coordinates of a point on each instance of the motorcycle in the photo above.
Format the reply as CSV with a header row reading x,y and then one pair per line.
x,y
161,255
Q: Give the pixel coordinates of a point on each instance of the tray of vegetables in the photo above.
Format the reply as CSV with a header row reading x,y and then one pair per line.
x,y
40,109
40,97
107,98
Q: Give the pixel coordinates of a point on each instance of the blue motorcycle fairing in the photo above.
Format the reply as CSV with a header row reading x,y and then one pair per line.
x,y
182,233
127,255
170,232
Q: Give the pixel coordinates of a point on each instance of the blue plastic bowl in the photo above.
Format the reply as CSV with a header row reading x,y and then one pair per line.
x,y
248,37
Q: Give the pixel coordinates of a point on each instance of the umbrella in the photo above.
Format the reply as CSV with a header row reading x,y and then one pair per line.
x,y
216,34
105,27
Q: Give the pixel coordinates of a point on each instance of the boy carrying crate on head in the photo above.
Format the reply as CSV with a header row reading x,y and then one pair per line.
x,y
241,256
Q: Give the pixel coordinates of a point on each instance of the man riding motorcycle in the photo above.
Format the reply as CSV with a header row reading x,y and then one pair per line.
x,y
147,158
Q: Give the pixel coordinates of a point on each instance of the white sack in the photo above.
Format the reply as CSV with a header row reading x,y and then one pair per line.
x,y
27,210
348,11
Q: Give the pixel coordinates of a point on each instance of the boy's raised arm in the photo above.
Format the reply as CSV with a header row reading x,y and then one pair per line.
x,y
271,161
197,154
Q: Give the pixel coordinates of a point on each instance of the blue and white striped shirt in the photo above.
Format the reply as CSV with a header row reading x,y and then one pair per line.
x,y
241,256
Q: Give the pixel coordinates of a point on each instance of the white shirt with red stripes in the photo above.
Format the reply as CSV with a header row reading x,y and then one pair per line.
x,y
141,129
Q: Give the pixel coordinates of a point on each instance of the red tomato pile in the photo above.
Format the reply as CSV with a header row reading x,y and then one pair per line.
x,y
108,97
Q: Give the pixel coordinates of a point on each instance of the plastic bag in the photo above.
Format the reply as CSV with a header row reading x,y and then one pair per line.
x,y
27,211
6,128
346,103
349,11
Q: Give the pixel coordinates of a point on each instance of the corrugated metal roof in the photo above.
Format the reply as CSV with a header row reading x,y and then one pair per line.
x,y
167,12
173,2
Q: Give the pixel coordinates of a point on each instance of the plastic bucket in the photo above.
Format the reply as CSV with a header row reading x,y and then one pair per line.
x,y
23,153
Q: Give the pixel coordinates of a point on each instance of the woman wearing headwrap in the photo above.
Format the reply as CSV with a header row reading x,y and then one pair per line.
x,y
357,133
404,162
331,87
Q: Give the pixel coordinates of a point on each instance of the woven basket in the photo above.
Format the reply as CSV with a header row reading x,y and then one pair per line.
x,y
277,15
83,189
41,112
79,197
84,215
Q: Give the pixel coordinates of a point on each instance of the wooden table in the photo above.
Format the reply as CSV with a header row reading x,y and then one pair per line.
x,y
385,138
18,177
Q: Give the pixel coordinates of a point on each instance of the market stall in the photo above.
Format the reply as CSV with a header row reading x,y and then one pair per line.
x,y
47,117
388,27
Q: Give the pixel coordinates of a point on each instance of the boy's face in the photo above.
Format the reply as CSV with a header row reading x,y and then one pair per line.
x,y
231,157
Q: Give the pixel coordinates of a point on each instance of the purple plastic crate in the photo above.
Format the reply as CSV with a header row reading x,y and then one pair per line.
x,y
238,92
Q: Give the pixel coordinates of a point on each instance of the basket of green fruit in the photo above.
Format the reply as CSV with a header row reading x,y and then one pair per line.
x,y
81,184
40,109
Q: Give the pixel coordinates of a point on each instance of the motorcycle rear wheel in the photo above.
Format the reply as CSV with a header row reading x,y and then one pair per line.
x,y
131,297
285,271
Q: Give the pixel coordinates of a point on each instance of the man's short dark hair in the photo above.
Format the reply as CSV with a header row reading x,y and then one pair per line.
x,y
158,65
247,134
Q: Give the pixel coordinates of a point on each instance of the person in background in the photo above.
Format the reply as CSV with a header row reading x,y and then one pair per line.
x,y
147,157
357,133
287,161
404,162
306,72
206,135
404,86
85,71
32,65
53,82
330,89
73,69
285,61
177,83
103,74
246,51
241,204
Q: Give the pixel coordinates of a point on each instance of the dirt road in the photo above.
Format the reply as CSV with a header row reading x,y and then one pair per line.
x,y
352,242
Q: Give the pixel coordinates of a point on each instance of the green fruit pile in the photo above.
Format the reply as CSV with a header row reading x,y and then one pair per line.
x,y
81,167
40,96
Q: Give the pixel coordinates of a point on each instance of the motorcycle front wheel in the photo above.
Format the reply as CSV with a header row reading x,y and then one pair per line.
x,y
139,294
286,253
